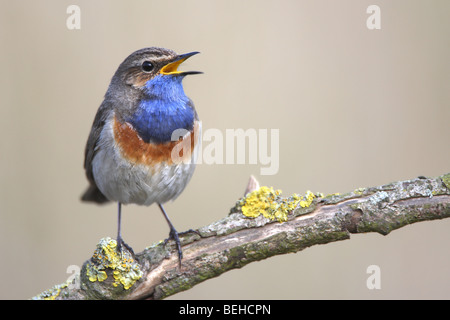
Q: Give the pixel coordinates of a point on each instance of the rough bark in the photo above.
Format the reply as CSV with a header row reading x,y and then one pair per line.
x,y
237,240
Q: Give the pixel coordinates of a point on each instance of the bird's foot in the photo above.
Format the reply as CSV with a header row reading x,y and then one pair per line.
x,y
174,235
189,231
122,244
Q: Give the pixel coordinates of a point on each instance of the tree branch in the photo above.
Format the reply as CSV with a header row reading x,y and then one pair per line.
x,y
237,240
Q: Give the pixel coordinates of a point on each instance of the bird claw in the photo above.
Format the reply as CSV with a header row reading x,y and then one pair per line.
x,y
174,235
122,244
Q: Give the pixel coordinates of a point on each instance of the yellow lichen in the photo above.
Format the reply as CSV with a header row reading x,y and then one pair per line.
x,y
126,270
306,202
52,293
271,205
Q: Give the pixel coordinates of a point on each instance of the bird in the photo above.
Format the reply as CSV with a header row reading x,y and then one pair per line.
x,y
145,136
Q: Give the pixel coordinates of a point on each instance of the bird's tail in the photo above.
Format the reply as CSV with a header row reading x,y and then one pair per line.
x,y
93,194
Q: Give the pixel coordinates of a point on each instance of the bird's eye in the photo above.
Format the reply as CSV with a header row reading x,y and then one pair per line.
x,y
147,66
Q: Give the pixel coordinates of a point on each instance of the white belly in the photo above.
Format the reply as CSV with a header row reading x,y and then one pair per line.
x,y
125,182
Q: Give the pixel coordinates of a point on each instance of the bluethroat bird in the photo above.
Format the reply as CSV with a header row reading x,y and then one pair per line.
x,y
132,154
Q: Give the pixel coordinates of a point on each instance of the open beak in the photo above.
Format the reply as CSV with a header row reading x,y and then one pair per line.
x,y
172,67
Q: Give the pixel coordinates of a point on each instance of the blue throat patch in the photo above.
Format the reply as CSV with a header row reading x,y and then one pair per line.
x,y
165,109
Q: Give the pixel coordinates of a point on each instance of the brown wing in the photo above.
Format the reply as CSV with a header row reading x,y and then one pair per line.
x,y
93,193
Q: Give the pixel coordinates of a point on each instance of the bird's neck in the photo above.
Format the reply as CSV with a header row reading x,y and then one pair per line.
x,y
168,88
163,109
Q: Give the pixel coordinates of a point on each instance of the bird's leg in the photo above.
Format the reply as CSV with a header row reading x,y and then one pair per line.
x,y
119,239
119,219
173,234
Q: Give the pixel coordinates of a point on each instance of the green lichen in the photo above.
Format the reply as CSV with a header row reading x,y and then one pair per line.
x,y
446,180
125,269
52,293
269,203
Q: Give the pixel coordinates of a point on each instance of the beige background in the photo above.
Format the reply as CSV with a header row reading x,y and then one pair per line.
x,y
354,107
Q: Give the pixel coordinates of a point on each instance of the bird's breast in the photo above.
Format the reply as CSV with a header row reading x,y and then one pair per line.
x,y
156,118
134,149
